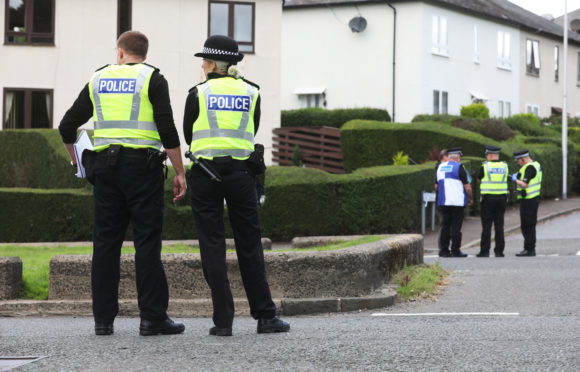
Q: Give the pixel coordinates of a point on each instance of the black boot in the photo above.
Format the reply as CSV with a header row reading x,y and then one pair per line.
x,y
272,325
163,327
526,253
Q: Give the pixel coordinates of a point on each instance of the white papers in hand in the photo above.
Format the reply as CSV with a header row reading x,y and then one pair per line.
x,y
83,143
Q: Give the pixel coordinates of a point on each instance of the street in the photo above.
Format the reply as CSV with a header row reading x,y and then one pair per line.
x,y
517,314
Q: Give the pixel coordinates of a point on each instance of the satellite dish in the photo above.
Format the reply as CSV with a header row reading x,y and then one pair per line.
x,y
357,24
575,25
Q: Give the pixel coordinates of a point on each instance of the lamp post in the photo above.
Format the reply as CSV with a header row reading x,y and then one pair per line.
x,y
565,107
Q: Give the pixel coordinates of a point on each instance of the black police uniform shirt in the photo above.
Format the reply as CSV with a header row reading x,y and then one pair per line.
x,y
191,111
82,110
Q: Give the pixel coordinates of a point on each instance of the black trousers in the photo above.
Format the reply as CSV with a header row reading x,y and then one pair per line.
x,y
451,222
207,203
492,212
528,219
129,193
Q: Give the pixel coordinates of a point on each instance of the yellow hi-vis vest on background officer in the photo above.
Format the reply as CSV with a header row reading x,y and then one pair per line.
x,y
225,125
534,185
123,113
494,180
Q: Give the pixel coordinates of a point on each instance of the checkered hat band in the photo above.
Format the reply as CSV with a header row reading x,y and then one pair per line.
x,y
218,51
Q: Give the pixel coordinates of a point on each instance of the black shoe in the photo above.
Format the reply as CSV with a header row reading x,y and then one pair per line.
x,y
215,331
482,254
104,329
458,254
499,254
272,325
164,327
444,254
526,253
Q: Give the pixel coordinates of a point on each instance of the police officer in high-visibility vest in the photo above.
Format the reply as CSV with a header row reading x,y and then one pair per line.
x,y
221,117
528,186
493,180
453,194
129,103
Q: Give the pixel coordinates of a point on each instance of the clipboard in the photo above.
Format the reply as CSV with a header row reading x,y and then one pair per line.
x,y
82,143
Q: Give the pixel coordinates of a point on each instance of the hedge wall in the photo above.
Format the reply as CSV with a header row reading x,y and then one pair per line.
x,y
318,117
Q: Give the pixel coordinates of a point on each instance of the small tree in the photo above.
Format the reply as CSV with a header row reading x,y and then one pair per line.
x,y
476,111
400,159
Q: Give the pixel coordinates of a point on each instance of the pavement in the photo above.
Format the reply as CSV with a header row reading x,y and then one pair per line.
x,y
471,230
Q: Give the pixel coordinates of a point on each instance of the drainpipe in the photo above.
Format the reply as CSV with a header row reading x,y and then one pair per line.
x,y
394,50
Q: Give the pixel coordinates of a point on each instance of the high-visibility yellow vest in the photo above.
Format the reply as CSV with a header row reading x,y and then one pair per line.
x,y
225,125
494,180
122,111
534,185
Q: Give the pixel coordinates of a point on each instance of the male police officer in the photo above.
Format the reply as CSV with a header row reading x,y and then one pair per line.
x,y
129,103
221,117
454,193
494,190
528,186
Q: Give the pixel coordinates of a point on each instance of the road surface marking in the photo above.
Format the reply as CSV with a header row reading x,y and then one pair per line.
x,y
444,314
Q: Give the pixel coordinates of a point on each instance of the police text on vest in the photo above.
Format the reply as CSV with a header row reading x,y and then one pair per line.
x,y
226,102
117,86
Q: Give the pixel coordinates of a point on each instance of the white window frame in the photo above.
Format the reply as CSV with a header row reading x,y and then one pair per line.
x,y
504,59
476,44
532,108
442,97
533,57
504,109
439,35
556,62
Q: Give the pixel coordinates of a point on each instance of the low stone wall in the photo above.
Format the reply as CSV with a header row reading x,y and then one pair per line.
x,y
354,271
10,277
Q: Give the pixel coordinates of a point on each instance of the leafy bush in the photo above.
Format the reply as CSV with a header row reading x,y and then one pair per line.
x,y
318,117
492,128
529,125
400,159
440,118
475,111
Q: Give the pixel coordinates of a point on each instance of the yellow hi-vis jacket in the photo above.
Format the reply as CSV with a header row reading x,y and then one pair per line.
x,y
225,125
122,111
534,185
494,180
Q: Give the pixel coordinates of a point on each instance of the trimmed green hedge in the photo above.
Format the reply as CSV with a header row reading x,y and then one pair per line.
x,y
318,117
371,143
35,158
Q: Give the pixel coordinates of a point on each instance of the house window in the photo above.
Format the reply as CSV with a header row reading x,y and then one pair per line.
x,y
233,19
504,59
504,109
556,62
533,57
440,46
124,16
533,109
29,22
27,108
440,102
475,44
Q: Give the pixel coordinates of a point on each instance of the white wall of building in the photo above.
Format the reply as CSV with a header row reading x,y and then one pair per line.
x,y
320,51
85,35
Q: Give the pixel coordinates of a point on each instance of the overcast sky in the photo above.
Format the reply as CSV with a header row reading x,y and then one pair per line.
x,y
553,7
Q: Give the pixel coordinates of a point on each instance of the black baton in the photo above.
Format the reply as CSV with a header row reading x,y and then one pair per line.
x,y
208,169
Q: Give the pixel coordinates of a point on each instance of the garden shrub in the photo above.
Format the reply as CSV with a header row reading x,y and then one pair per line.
x,y
529,125
491,128
318,117
475,111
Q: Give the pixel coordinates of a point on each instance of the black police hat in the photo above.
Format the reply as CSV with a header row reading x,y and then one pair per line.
x,y
221,48
455,151
521,154
489,149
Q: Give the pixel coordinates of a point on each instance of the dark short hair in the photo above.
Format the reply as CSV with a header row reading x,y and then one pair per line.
x,y
442,154
134,42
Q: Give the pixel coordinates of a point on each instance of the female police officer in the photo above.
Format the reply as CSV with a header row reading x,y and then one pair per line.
x,y
221,118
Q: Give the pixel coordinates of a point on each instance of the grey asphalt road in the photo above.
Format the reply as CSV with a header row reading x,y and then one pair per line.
x,y
494,314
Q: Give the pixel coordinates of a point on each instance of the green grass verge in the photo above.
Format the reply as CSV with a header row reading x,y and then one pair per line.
x,y
36,260
419,281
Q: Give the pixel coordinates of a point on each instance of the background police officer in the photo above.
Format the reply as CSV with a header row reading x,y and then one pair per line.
x,y
453,194
528,186
220,127
129,103
493,176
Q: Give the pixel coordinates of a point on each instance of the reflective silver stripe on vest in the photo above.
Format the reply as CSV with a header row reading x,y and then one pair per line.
x,y
488,180
136,106
211,115
246,114
228,133
96,97
125,124
533,193
99,141
211,153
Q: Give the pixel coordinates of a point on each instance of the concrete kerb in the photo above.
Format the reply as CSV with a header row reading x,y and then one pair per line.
x,y
515,228
366,268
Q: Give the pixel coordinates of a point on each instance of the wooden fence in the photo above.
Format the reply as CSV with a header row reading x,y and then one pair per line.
x,y
320,147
